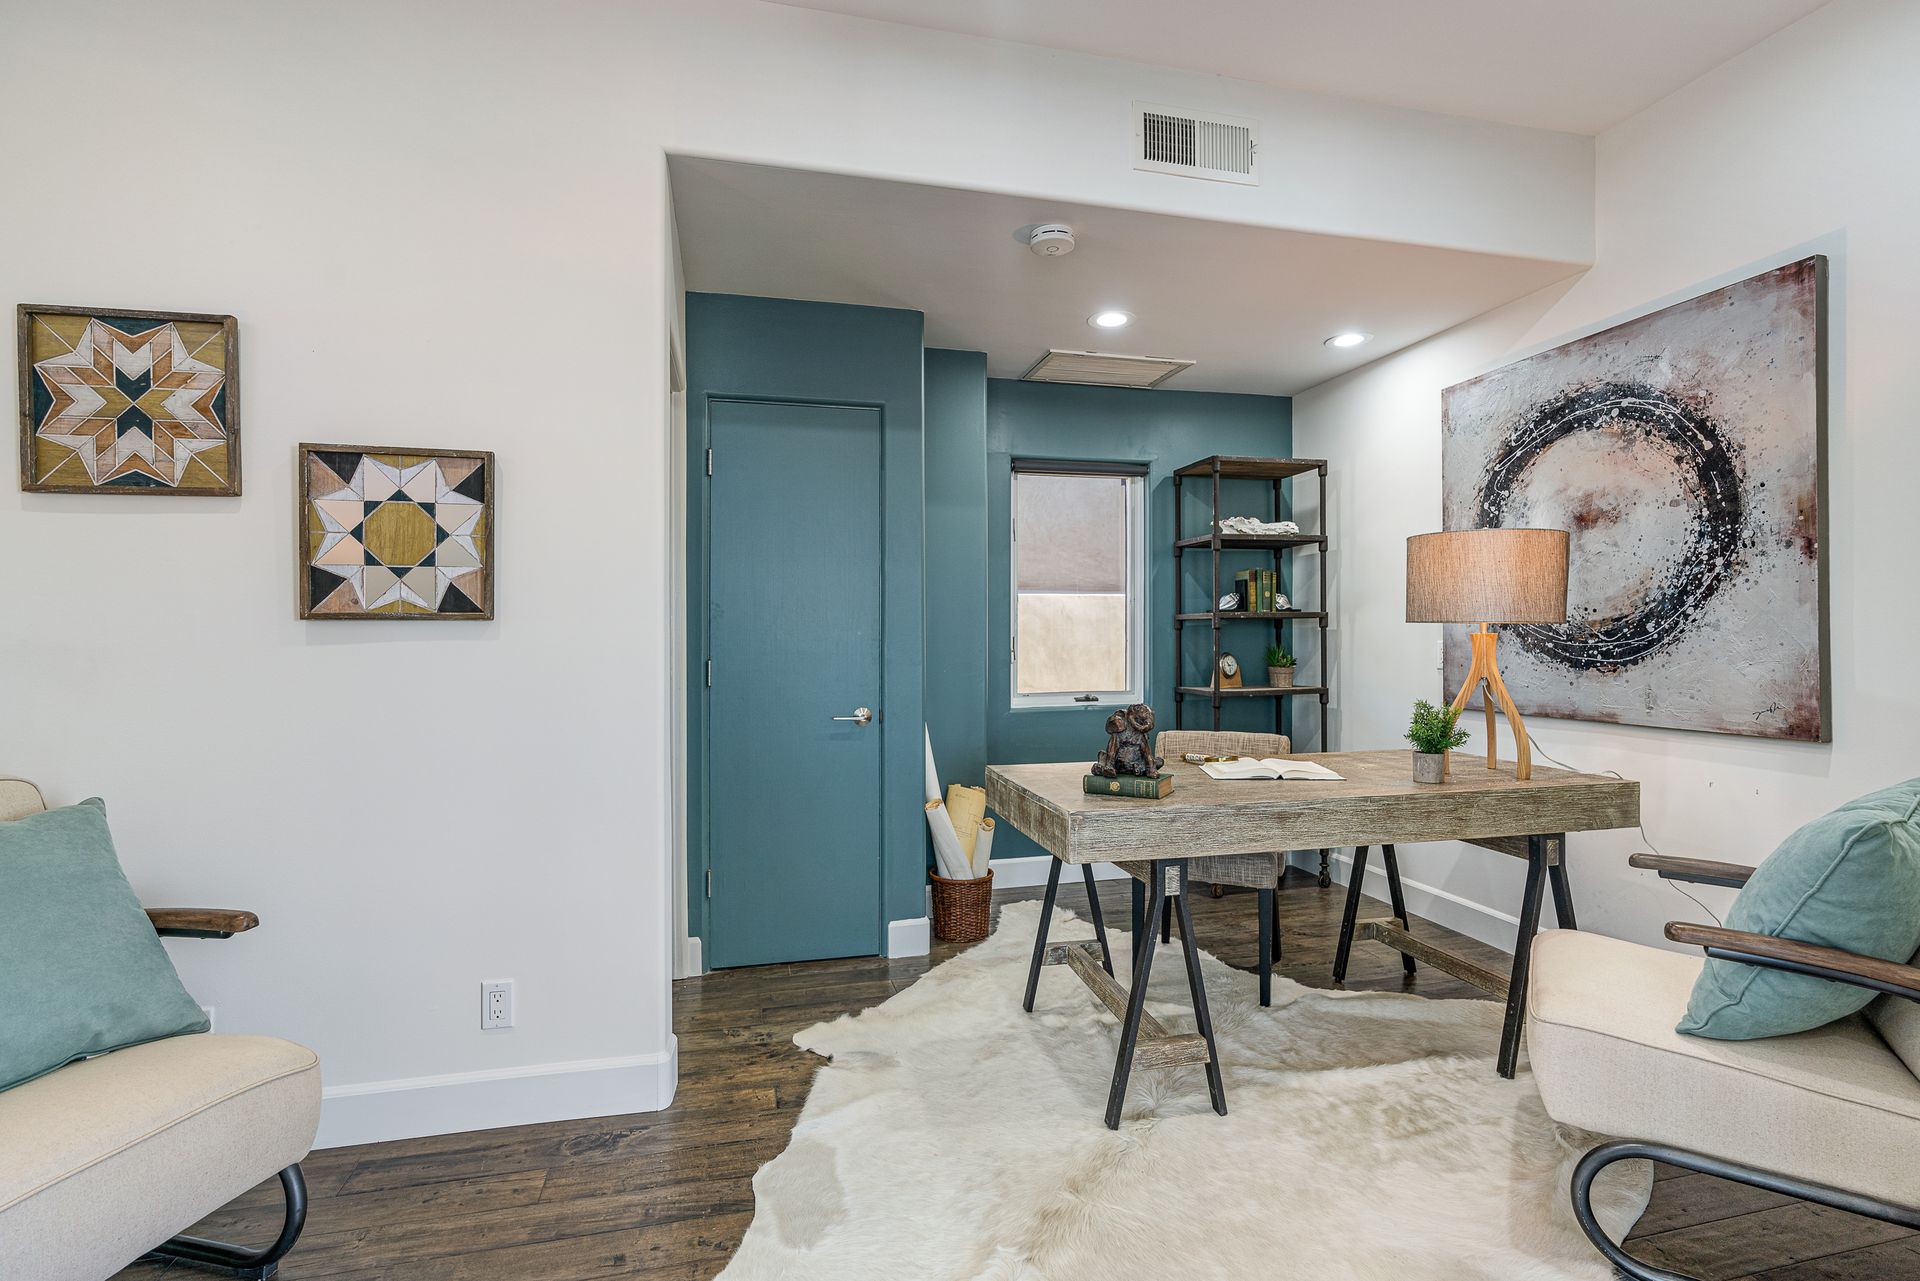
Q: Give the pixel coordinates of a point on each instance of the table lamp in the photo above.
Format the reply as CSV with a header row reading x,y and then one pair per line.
x,y
1489,576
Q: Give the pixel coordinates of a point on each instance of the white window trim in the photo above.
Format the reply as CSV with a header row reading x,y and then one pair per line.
x,y
1137,657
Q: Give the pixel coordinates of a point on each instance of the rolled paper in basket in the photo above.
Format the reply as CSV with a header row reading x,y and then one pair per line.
x,y
983,848
933,773
947,854
966,806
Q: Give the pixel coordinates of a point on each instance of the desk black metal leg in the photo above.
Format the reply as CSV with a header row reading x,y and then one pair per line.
x,y
1040,934
1197,985
1139,934
1355,877
1523,951
1399,898
1166,920
1562,892
1266,946
1136,999
1099,921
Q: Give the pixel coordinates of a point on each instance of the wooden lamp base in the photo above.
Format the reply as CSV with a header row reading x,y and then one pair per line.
x,y
1485,670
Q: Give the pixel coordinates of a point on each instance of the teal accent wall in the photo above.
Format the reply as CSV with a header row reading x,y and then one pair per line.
x,y
968,567
766,349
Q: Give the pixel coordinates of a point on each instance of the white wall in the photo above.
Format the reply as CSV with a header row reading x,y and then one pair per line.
x,y
445,223
1804,144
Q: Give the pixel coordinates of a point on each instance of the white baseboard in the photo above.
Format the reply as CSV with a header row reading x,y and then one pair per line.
x,y
412,1107
1489,925
910,938
1018,873
692,962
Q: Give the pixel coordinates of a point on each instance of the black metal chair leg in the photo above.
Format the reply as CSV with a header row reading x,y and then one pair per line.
x,y
1040,934
1197,985
1099,921
236,1261
1627,1150
1562,891
1356,876
1523,952
1136,1000
1266,947
1399,898
1166,920
1279,943
1326,870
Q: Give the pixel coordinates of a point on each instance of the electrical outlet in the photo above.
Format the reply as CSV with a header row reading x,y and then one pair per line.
x,y
496,1004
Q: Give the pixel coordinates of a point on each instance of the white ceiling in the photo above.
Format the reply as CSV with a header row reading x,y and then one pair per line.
x,y
1576,65
1252,305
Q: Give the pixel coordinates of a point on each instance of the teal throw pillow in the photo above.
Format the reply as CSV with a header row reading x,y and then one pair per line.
x,y
1849,879
81,969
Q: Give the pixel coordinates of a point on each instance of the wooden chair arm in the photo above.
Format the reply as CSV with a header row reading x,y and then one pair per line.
x,y
1697,871
1796,957
200,922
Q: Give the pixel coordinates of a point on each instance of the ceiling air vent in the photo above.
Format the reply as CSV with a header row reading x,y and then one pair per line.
x,y
1100,370
1194,144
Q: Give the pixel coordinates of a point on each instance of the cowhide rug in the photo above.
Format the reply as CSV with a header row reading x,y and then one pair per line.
x,y
954,1136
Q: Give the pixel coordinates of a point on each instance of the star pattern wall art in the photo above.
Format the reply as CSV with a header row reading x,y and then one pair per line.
x,y
395,533
128,402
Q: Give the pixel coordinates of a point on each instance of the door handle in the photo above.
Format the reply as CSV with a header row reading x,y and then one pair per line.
x,y
861,716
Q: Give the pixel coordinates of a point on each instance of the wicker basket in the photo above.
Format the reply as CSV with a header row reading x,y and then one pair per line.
x,y
961,908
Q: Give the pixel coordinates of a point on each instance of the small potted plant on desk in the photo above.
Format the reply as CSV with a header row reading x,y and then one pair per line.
x,y
1279,668
1434,732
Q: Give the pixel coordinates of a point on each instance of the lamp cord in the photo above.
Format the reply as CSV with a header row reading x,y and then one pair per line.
x,y
1674,885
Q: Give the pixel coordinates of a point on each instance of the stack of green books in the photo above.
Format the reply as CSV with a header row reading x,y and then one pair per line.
x,y
1258,590
1156,788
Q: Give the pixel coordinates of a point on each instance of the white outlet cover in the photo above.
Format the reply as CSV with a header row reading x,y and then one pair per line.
x,y
496,1004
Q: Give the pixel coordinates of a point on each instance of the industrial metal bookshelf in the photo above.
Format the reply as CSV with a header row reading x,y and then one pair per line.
x,y
1212,471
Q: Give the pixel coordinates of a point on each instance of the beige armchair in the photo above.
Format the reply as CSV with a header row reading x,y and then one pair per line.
x,y
108,1160
1830,1116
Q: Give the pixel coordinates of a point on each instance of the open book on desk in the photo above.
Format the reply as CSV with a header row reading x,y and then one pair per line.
x,y
1273,767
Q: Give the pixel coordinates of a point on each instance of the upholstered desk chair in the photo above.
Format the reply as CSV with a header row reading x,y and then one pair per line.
x,y
1259,872
1830,1116
110,1158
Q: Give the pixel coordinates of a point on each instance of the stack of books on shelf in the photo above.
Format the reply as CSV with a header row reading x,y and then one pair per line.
x,y
1258,589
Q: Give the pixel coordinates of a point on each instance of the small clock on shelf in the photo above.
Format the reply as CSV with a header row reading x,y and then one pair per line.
x,y
1229,672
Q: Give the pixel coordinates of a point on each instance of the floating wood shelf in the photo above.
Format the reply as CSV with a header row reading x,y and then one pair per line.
x,y
1253,691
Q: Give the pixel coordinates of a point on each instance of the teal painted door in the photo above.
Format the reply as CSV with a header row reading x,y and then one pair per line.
x,y
795,637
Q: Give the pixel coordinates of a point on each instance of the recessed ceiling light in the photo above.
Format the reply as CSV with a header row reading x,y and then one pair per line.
x,y
1352,338
1110,319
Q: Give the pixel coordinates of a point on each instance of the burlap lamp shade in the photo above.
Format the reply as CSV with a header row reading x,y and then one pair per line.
x,y
1487,576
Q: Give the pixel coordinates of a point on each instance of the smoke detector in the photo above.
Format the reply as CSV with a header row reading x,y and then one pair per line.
x,y
1051,239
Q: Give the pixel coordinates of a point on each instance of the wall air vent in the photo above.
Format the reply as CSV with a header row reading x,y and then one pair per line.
x,y
1194,144
1097,369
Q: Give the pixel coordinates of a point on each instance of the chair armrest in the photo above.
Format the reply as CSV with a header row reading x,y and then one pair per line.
x,y
1796,957
1697,871
200,922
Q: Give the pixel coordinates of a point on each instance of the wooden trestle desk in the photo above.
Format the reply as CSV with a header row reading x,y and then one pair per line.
x,y
1377,804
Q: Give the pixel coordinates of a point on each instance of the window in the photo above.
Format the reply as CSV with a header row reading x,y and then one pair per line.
x,y
1079,584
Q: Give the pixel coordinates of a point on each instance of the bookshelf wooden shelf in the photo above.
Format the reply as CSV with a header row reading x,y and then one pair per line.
x,y
1208,473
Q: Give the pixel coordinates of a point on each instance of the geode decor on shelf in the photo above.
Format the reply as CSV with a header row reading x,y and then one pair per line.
x,y
1127,751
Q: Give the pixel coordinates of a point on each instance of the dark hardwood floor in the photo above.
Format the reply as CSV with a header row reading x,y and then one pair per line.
x,y
667,1195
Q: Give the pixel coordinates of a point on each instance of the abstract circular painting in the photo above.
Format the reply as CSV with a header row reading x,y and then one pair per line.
x,y
1683,452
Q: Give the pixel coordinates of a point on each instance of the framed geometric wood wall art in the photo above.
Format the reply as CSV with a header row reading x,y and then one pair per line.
x,y
395,533
128,402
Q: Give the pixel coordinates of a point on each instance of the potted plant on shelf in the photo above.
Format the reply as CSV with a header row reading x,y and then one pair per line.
x,y
1279,668
1434,732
